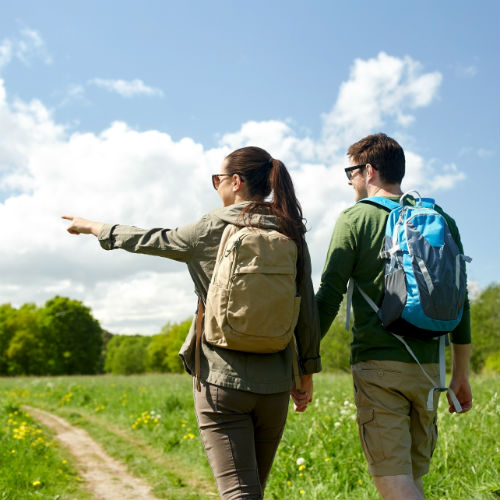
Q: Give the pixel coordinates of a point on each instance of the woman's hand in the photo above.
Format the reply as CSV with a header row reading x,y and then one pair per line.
x,y
82,226
302,397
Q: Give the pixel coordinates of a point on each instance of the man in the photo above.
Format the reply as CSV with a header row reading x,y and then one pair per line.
x,y
397,432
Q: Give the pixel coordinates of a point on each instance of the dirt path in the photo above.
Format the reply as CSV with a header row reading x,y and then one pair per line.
x,y
105,477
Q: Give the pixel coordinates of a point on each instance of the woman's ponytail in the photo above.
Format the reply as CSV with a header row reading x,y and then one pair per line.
x,y
264,175
287,209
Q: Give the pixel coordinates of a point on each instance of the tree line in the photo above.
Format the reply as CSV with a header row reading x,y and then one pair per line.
x,y
63,338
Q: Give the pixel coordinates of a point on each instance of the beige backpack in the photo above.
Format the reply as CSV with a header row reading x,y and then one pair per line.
x,y
252,304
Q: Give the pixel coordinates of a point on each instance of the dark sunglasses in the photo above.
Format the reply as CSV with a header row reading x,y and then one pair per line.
x,y
216,179
349,170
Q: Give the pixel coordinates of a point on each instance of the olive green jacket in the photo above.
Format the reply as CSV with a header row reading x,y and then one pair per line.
x,y
196,245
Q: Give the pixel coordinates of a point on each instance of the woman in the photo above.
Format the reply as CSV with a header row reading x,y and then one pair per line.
x,y
243,403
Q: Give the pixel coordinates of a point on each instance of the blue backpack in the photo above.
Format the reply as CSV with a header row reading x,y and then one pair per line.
x,y
425,278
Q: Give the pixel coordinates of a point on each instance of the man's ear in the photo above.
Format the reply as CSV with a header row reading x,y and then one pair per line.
x,y
370,170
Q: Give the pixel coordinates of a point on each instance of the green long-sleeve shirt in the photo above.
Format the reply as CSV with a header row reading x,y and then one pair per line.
x,y
354,250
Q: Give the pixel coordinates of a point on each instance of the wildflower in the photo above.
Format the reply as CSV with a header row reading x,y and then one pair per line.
x,y
64,462
360,482
336,424
36,483
289,483
13,452
301,492
300,461
327,459
302,467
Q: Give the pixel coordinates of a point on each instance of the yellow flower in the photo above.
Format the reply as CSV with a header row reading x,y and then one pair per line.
x,y
301,492
360,482
36,483
64,462
13,452
289,483
302,467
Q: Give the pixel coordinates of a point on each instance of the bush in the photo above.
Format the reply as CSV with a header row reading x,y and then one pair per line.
x,y
163,351
127,354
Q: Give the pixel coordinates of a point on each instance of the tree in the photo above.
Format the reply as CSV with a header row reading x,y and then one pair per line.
x,y
71,337
23,353
163,351
127,354
485,325
8,316
336,345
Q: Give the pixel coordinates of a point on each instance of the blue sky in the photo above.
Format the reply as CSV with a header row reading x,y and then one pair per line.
x,y
120,111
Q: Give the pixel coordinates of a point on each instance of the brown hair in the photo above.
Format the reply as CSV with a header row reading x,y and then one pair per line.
x,y
383,153
264,175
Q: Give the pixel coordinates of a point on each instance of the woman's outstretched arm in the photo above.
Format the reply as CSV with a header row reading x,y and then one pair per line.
x,y
80,225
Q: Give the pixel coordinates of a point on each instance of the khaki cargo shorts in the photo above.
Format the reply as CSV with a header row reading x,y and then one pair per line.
x,y
397,432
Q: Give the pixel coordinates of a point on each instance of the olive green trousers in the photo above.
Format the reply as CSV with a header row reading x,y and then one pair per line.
x,y
241,432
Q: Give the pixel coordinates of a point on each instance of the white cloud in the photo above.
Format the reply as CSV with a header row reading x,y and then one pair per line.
x,y
377,89
150,180
484,154
27,46
466,71
130,88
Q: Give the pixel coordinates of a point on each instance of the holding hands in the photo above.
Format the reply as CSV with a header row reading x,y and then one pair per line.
x,y
302,397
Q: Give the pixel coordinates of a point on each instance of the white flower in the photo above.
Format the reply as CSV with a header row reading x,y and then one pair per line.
x,y
300,461
336,424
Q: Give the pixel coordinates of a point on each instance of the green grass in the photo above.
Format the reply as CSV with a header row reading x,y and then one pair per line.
x,y
148,422
32,464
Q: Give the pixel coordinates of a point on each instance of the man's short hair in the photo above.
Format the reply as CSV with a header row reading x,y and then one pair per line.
x,y
383,153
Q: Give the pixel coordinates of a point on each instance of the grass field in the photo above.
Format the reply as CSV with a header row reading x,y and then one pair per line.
x,y
148,422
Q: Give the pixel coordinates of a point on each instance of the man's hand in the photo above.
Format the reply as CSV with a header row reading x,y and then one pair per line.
x,y
459,383
302,397
82,226
463,392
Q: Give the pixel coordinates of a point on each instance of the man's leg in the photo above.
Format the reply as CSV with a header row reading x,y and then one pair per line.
x,y
387,394
397,487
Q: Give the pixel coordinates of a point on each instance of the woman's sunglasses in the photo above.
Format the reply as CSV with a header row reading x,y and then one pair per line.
x,y
216,178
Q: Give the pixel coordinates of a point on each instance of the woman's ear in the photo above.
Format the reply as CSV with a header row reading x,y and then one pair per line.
x,y
237,184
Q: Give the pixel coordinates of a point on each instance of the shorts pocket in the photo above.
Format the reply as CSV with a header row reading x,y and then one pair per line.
x,y
369,435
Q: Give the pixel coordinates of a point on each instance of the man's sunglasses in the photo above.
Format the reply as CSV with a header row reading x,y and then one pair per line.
x,y
216,179
349,170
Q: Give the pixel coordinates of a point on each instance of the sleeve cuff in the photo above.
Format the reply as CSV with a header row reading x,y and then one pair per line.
x,y
105,236
311,365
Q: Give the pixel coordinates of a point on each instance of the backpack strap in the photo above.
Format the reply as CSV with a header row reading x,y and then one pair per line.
x,y
380,201
441,387
199,330
442,375
295,365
